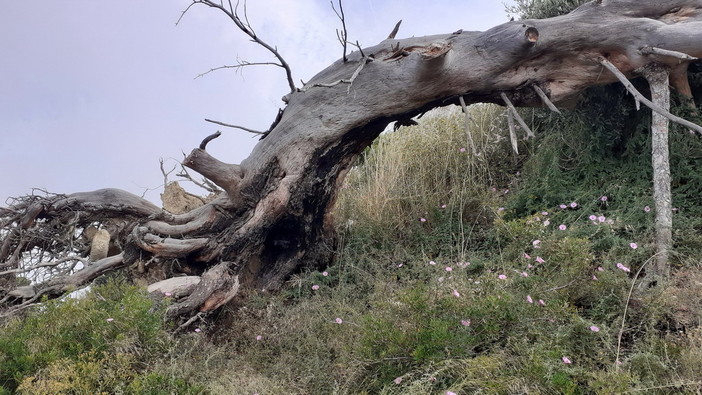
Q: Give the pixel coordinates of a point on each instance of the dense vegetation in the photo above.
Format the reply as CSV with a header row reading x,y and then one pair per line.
x,y
461,268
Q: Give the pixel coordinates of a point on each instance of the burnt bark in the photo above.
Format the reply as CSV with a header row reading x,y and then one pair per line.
x,y
274,216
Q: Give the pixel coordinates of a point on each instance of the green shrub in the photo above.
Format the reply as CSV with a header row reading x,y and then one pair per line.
x,y
102,342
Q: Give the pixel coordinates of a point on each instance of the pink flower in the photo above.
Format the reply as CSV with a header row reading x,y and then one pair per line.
x,y
594,278
198,330
529,299
647,209
566,360
593,217
573,205
530,266
463,264
501,209
315,287
456,294
432,263
524,274
422,219
526,256
449,269
465,322
547,223
540,259
601,218
167,294
623,268
502,277
259,337
400,265
110,319
633,245
541,302
339,320
603,198
594,329
544,213
325,274
398,380
443,206
536,243
506,190
563,206
600,269
462,149
562,227
450,393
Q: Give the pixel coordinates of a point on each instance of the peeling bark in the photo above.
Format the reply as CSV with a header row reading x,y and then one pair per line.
x,y
274,218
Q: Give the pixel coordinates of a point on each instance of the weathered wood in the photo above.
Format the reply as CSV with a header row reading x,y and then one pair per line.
x,y
657,78
275,214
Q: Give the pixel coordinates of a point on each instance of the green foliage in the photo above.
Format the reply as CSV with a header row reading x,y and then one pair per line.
x,y
540,9
99,343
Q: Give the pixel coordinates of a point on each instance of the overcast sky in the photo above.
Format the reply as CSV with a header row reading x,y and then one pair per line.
x,y
93,93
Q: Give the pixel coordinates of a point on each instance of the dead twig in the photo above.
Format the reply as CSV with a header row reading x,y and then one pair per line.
x,y
545,99
342,35
639,98
516,115
245,26
242,64
666,52
466,120
235,127
349,81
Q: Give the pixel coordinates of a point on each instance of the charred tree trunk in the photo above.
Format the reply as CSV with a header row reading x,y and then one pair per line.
x,y
274,216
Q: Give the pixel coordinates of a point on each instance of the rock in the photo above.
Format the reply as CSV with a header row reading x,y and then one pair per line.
x,y
177,201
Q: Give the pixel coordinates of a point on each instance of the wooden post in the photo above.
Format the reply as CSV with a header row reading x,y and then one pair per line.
x,y
657,77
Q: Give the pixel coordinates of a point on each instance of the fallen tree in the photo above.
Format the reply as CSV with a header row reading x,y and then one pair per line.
x,y
273,216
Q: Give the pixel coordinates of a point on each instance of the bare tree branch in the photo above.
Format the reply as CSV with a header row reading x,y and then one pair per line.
x,y
349,81
209,138
467,119
343,34
245,27
666,52
239,66
235,127
516,115
641,98
545,99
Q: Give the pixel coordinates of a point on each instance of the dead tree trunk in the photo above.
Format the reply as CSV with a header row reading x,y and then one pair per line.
x,y
274,216
657,77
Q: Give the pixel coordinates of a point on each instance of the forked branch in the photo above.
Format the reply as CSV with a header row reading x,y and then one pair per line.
x,y
642,99
342,35
232,12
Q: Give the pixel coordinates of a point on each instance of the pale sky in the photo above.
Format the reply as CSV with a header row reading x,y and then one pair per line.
x,y
93,93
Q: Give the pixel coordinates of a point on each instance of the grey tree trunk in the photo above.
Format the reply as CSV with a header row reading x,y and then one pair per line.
x,y
275,215
657,77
